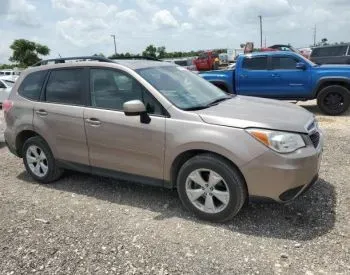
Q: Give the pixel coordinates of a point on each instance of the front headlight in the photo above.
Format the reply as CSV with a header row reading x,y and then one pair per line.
x,y
281,142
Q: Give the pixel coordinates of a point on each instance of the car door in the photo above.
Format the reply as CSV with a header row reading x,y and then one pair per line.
x,y
118,144
58,117
254,78
288,80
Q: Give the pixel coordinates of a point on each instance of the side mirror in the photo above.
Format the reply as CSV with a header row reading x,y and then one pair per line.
x,y
134,108
301,66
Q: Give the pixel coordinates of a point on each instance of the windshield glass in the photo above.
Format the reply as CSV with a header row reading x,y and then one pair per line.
x,y
307,60
181,87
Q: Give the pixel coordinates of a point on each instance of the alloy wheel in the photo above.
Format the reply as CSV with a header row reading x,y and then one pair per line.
x,y
37,161
207,190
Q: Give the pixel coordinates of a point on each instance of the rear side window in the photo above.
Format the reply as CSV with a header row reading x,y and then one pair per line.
x,y
255,63
284,63
32,84
65,86
330,51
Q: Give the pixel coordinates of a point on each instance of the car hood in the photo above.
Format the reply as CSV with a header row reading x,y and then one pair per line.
x,y
338,67
250,112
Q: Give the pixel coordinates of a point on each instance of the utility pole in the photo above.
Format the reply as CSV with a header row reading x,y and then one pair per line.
x,y
315,35
115,45
261,39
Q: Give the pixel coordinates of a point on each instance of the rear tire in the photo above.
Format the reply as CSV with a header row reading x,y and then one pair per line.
x,y
216,202
333,100
39,161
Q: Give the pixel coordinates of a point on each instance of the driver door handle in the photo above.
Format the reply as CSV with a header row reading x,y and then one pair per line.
x,y
93,121
41,112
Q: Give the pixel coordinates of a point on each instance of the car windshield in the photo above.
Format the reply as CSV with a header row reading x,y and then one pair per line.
x,y
307,60
183,88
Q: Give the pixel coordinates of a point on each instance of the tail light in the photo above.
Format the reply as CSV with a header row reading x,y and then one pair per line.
x,y
7,105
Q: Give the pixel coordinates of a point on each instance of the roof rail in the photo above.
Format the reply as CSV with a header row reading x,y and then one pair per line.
x,y
77,58
137,57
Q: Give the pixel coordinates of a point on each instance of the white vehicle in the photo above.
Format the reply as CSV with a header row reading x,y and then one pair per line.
x,y
5,89
9,74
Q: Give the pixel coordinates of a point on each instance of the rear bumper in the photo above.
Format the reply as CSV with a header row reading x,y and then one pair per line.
x,y
9,145
283,177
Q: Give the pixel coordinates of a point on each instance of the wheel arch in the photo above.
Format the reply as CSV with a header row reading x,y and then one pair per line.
x,y
184,156
330,81
21,139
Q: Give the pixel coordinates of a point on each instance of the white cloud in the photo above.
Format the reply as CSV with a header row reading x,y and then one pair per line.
x,y
22,12
177,11
73,27
147,6
164,19
86,8
82,33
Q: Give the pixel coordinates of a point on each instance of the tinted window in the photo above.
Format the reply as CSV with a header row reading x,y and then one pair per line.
x,y
203,55
255,63
65,86
284,63
2,85
181,62
330,51
32,84
110,89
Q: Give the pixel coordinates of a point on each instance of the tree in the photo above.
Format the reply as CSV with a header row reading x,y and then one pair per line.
x,y
150,51
161,52
26,53
99,54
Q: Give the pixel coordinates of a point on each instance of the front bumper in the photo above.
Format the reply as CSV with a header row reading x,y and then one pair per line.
x,y
283,177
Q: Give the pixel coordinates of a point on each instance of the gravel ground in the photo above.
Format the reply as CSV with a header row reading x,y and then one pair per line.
x,y
90,225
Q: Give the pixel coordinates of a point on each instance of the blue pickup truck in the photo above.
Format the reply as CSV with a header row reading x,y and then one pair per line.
x,y
286,76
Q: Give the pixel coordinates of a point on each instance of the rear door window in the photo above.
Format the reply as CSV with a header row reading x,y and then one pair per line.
x,y
284,63
30,87
255,63
66,87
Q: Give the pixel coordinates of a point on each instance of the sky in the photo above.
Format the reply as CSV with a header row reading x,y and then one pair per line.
x,y
84,27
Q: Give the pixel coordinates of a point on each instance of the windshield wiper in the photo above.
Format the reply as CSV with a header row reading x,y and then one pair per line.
x,y
210,104
218,100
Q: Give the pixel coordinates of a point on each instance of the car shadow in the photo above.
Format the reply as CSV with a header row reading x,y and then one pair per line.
x,y
308,217
315,110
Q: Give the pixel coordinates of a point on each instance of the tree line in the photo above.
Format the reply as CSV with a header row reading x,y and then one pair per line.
x,y
26,53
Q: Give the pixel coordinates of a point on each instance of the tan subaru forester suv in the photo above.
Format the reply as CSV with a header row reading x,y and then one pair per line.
x,y
160,124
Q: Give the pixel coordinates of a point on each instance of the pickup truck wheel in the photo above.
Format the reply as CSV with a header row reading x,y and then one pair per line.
x,y
333,100
211,188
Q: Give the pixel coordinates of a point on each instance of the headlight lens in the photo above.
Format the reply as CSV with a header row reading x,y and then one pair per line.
x,y
281,142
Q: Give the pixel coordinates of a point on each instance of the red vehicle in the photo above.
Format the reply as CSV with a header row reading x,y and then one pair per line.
x,y
208,60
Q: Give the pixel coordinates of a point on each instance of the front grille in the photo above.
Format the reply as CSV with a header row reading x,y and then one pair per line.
x,y
315,138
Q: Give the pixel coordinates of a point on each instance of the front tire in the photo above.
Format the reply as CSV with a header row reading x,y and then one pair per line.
x,y
39,161
211,188
333,100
